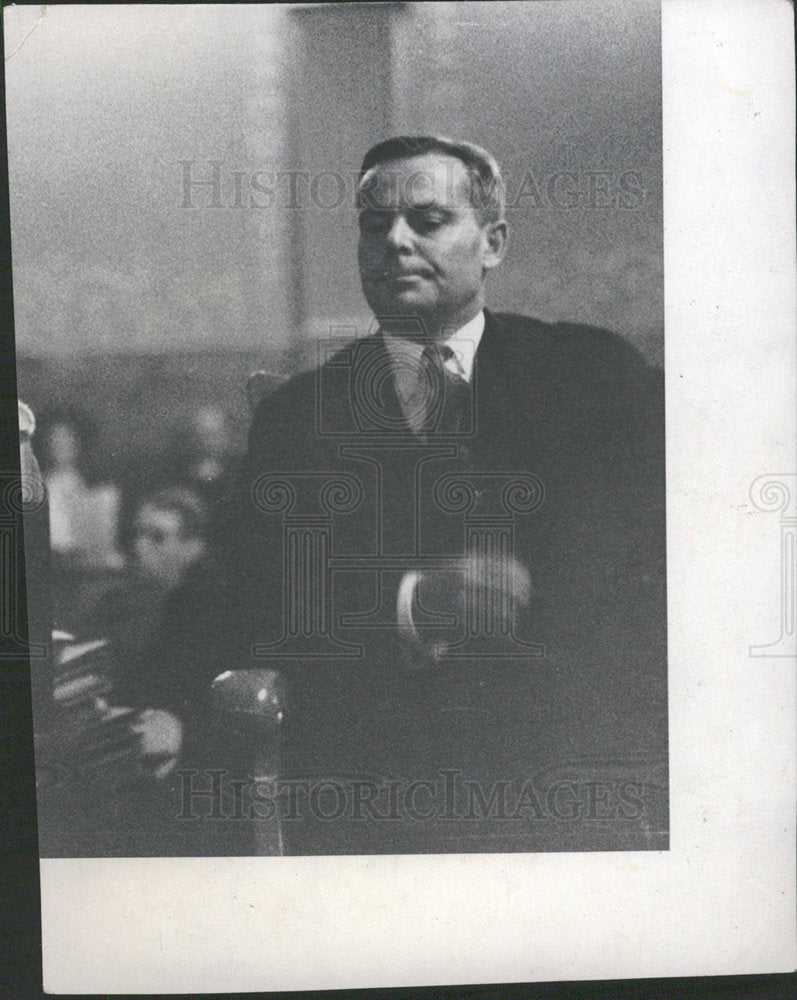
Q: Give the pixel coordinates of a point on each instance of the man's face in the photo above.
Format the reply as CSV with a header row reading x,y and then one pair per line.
x,y
423,253
163,552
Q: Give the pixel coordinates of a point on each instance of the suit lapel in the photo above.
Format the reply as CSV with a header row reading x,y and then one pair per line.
x,y
374,373
493,383
514,403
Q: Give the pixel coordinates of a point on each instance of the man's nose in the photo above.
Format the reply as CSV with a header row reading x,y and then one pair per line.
x,y
399,234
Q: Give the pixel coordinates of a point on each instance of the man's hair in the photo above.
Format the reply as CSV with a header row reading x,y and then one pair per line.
x,y
182,501
487,190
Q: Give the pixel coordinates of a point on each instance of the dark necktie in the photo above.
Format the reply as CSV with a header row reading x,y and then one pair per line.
x,y
447,393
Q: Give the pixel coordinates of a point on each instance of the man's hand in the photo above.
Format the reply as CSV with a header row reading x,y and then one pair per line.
x,y
475,585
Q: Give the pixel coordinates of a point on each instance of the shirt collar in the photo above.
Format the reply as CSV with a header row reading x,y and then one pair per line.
x,y
464,342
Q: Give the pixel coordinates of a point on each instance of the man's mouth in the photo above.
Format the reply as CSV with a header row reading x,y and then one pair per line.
x,y
405,275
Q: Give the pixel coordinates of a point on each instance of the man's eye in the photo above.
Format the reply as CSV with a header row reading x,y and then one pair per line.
x,y
425,222
374,222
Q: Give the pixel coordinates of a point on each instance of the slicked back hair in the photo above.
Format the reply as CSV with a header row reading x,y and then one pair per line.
x,y
487,189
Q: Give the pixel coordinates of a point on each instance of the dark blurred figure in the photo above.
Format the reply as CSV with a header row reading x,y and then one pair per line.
x,y
167,544
170,559
203,454
167,537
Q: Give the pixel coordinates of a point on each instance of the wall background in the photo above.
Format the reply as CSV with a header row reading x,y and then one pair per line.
x,y
138,293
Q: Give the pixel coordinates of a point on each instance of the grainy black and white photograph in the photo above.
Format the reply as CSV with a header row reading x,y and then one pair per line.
x,y
340,347
400,560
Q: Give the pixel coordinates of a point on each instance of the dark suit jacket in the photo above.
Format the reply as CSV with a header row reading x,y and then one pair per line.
x,y
579,410
576,407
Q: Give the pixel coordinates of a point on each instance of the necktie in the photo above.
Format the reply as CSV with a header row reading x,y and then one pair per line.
x,y
446,393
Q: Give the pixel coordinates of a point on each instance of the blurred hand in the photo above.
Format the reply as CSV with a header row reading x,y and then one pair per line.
x,y
161,737
470,588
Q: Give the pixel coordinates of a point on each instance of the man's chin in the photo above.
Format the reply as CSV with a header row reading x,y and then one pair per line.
x,y
406,303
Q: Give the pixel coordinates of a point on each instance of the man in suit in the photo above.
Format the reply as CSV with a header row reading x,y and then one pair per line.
x,y
449,540
461,432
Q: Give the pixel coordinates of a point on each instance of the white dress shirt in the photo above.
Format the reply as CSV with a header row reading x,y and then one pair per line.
x,y
408,377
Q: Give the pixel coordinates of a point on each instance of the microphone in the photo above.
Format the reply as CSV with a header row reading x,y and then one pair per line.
x,y
252,704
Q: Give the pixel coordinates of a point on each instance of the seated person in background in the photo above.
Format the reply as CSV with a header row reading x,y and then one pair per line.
x,y
171,557
208,452
200,454
83,511
98,764
167,539
168,542
203,454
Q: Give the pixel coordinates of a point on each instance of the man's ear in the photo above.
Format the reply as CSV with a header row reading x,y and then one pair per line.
x,y
495,236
